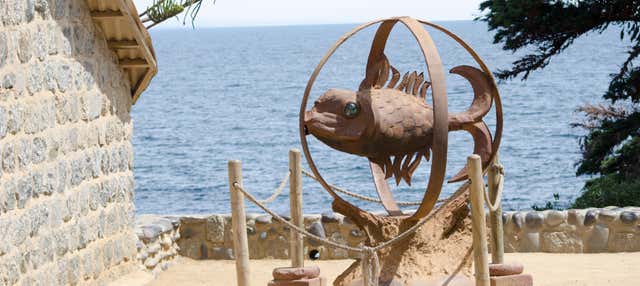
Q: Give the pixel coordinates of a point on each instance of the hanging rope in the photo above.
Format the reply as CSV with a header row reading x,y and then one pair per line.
x,y
278,190
358,196
369,255
495,205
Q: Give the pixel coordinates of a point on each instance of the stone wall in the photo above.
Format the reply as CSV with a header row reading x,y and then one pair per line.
x,y
157,242
66,185
609,229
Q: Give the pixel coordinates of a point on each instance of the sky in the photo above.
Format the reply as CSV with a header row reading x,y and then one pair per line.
x,y
233,13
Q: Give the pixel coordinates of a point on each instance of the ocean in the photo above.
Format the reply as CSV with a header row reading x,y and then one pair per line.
x,y
235,93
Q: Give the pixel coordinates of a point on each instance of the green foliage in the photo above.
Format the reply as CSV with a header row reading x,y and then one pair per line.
x,y
161,10
611,149
555,205
609,190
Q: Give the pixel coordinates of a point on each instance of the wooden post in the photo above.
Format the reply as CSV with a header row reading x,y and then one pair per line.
x,y
495,217
296,249
478,221
239,224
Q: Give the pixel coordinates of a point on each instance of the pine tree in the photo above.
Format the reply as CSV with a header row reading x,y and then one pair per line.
x,y
611,149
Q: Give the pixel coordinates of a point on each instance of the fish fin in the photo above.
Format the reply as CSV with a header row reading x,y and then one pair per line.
x,y
397,161
403,82
382,187
483,94
417,83
423,89
405,169
383,75
388,168
411,82
414,165
394,78
482,145
377,75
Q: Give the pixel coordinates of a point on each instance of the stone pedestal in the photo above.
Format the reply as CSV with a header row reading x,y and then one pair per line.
x,y
318,281
509,275
512,280
297,276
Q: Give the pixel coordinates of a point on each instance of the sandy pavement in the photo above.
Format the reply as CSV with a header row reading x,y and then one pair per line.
x,y
619,269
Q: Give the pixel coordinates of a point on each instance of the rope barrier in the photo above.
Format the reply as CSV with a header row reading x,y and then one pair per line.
x,y
361,197
495,205
278,190
370,260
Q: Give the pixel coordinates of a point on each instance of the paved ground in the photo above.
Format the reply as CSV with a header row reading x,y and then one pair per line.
x,y
620,269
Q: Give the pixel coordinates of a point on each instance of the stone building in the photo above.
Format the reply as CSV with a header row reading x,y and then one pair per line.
x,y
70,71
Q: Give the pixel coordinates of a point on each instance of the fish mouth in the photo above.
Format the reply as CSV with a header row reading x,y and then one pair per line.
x,y
325,125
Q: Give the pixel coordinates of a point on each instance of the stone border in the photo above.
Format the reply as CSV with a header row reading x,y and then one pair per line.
x,y
609,229
157,242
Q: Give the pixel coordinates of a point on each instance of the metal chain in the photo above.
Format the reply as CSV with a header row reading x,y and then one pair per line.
x,y
277,191
358,196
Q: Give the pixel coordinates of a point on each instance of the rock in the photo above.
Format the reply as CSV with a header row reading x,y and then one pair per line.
x,y
215,229
575,217
534,220
505,218
164,224
285,216
175,221
3,50
554,218
607,216
512,280
9,80
505,269
624,242
518,220
597,242
590,218
329,217
317,229
530,242
150,232
628,217
263,219
295,273
561,242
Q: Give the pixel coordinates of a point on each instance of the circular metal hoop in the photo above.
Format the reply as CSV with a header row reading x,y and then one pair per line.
x,y
496,94
436,74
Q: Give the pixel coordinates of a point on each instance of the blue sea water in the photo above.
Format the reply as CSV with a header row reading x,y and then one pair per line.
x,y
234,93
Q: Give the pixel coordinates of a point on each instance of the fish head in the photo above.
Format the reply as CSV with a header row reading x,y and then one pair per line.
x,y
341,119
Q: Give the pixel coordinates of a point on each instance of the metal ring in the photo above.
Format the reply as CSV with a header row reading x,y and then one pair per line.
x,y
436,74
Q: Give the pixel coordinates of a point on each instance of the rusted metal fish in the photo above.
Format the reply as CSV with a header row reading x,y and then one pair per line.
x,y
389,122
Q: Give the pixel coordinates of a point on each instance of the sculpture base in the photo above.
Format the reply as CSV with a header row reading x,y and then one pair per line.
x,y
512,280
439,248
297,276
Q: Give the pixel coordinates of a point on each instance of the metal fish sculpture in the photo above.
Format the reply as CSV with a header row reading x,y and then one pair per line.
x,y
389,122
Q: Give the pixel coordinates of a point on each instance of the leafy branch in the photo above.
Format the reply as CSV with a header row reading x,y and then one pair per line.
x,y
162,10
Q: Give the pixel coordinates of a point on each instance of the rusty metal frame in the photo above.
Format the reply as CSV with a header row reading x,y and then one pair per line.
x,y
437,76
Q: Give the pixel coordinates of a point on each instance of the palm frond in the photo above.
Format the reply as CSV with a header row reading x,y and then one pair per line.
x,y
162,10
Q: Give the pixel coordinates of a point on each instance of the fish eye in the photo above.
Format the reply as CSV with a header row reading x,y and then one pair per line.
x,y
351,109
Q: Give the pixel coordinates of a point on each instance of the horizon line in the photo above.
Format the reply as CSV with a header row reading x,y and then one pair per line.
x,y
188,25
